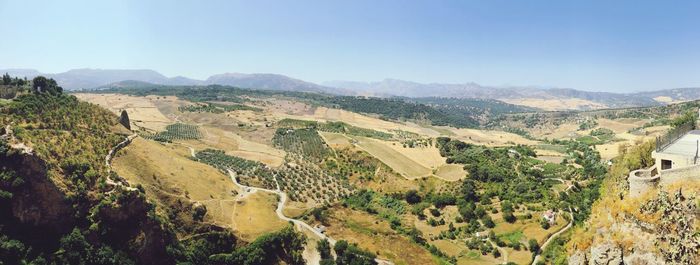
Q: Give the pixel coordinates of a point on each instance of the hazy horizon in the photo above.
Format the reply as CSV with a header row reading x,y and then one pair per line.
x,y
589,45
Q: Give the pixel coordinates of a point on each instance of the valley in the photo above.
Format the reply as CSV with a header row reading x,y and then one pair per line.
x,y
367,165
342,172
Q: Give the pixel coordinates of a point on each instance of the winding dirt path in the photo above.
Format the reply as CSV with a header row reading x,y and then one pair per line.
x,y
553,236
108,162
280,214
501,250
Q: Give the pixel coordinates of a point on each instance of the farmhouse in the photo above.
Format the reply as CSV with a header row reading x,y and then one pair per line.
x,y
550,216
676,159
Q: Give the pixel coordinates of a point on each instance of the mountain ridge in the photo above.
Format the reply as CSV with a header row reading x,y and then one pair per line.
x,y
562,98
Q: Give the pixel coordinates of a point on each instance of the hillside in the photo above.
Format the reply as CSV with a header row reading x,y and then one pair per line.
x,y
215,174
363,168
459,113
63,205
657,227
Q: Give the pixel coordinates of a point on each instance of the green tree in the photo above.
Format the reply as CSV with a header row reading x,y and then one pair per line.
x,y
469,190
324,249
687,118
533,246
6,80
74,249
42,84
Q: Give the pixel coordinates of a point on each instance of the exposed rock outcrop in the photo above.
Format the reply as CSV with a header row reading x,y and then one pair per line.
x,y
124,120
607,254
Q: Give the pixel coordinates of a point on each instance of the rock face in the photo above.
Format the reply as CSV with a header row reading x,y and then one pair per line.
x,y
39,202
578,258
38,207
643,259
610,254
606,254
124,120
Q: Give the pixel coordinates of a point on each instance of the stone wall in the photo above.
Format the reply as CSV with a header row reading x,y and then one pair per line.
x,y
643,180
685,174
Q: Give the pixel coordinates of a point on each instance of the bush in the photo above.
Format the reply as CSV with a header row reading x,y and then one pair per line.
x,y
509,217
544,223
413,197
533,246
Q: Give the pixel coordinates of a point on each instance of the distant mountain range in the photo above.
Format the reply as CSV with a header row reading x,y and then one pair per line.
x,y
96,78
545,98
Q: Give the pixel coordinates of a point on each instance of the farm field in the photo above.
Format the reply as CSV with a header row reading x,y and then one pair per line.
x,y
236,145
335,140
451,172
142,110
394,159
555,104
489,138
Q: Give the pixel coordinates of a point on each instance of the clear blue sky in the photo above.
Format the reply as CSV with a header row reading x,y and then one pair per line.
x,y
589,45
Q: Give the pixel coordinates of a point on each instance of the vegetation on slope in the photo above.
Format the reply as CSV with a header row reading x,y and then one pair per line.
x,y
215,108
305,142
177,131
666,220
56,206
435,111
335,127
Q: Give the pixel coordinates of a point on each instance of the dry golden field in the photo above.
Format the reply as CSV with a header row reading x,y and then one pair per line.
x,y
375,235
451,172
555,104
255,215
142,110
489,137
394,159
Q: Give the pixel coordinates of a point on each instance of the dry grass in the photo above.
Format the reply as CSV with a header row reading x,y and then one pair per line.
x,y
620,125
449,213
335,140
394,159
375,235
489,138
255,215
519,257
451,172
167,169
563,131
664,99
555,104
428,157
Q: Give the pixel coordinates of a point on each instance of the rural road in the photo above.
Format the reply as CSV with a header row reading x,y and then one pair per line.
x,y
551,238
567,227
280,214
108,162
280,207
